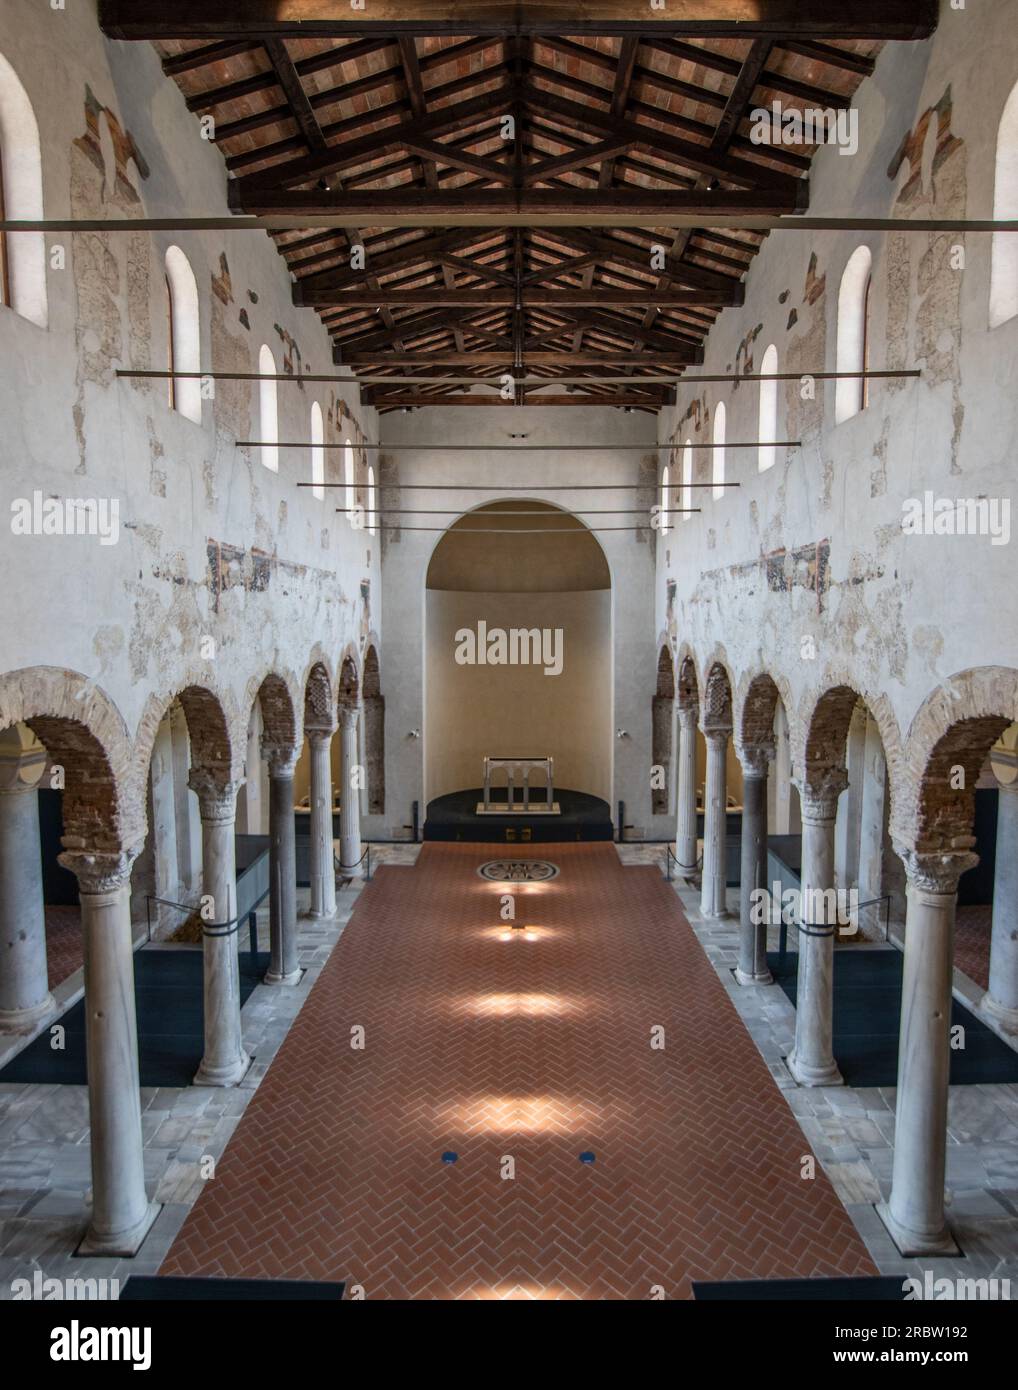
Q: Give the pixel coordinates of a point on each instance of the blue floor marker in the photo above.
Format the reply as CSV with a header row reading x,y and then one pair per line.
x,y
586,1156
449,1156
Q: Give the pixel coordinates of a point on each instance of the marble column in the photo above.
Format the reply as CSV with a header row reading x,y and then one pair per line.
x,y
350,801
323,871
811,1060
914,1212
1001,999
713,901
121,1210
283,965
24,976
224,1061
686,836
752,968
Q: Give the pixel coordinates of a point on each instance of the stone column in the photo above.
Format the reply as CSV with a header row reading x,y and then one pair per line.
x,y
24,975
283,966
224,1061
1001,999
323,871
914,1213
872,828
752,968
121,1210
713,902
686,836
350,802
811,1060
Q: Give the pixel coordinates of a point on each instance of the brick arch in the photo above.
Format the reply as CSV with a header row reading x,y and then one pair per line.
x,y
956,726
84,732
662,716
821,732
716,710
210,719
279,702
687,685
756,705
665,673
349,681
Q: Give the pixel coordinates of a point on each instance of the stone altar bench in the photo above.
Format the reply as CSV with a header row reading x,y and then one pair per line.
x,y
522,767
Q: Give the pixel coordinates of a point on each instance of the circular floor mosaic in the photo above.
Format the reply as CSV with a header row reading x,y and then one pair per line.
x,y
518,870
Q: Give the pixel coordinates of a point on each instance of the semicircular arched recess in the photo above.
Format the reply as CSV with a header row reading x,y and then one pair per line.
x,y
518,649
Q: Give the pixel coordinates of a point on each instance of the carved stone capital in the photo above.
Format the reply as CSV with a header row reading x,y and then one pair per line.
x,y
282,761
217,799
819,791
717,733
936,873
318,734
99,873
687,717
348,715
755,758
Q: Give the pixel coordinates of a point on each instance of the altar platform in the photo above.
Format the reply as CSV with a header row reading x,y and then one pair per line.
x,y
580,817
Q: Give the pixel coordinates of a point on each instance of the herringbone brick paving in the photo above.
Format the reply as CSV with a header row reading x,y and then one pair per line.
x,y
529,1050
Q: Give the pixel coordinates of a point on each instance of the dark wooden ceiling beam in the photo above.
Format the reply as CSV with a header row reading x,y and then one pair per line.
x,y
608,357
492,297
208,53
411,202
874,19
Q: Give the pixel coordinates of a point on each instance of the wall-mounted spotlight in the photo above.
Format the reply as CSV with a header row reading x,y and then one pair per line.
x,y
621,733
414,733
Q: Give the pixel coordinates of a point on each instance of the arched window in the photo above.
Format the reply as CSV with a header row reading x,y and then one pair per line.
x,y
22,254
268,428
719,451
1004,253
317,451
687,480
372,502
665,504
852,394
349,490
768,424
184,350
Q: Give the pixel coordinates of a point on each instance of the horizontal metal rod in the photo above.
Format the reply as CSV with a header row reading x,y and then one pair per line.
x,y
455,511
592,380
515,531
612,217
515,448
524,487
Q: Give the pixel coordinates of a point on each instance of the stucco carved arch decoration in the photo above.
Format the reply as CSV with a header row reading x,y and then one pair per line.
x,y
820,734
349,679
954,728
84,732
372,641
716,706
319,692
687,682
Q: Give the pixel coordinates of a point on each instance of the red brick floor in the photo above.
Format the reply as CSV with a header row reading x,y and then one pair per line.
x,y
972,943
528,1050
64,943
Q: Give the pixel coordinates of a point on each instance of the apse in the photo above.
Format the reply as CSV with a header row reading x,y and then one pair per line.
x,y
518,648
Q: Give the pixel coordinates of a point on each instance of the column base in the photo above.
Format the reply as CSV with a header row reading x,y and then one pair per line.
x,y
814,1076
719,914
314,916
123,1243
1005,1018
293,978
223,1076
764,978
910,1243
25,1020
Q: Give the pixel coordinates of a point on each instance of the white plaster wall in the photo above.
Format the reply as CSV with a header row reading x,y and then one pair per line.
x,y
902,613
130,617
